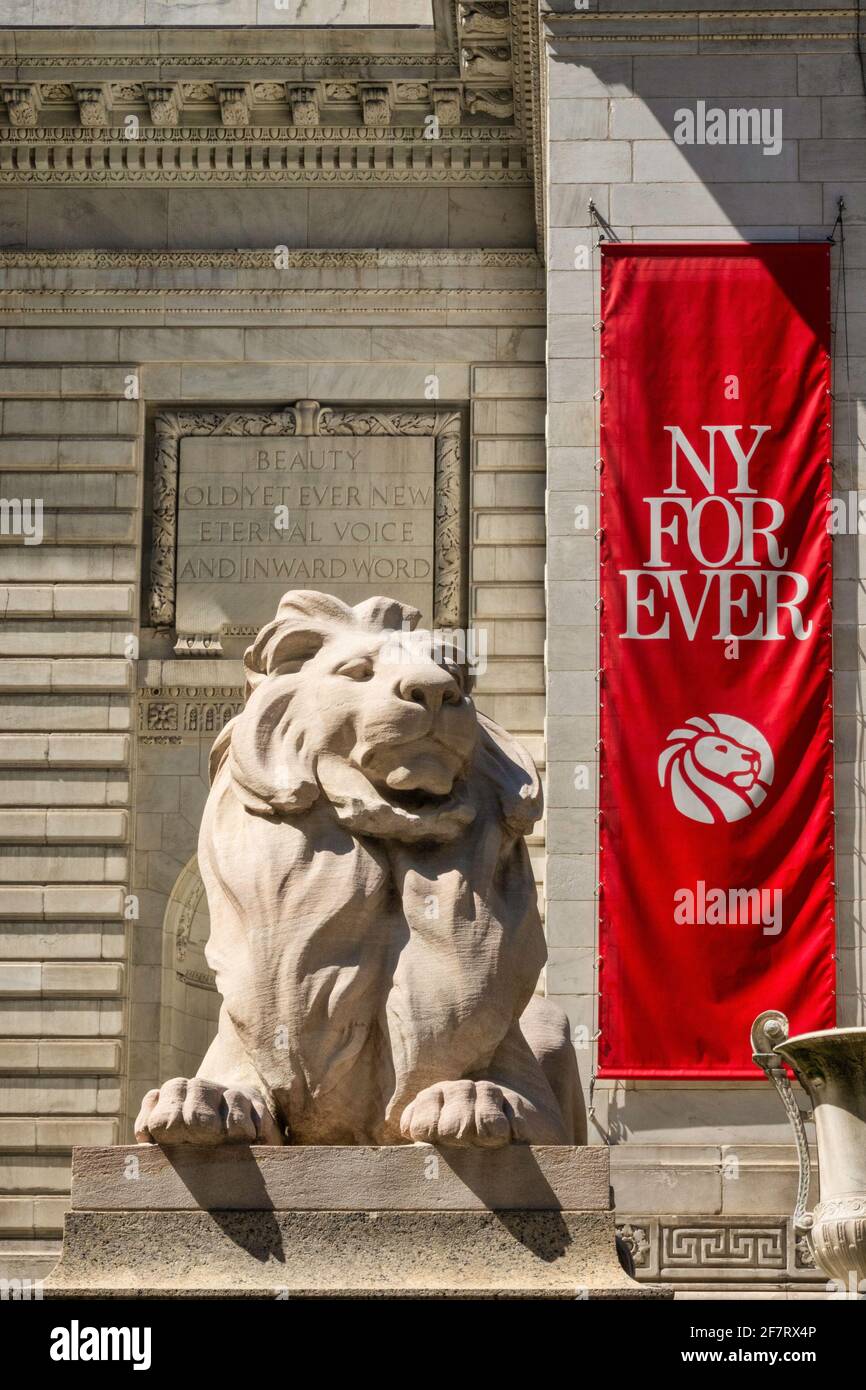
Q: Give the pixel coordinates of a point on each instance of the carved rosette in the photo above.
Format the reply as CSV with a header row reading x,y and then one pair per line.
x,y
310,419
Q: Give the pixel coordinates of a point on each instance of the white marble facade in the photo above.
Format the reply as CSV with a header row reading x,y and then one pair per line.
x,y
373,206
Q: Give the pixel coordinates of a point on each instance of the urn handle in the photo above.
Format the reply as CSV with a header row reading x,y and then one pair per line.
x,y
768,1030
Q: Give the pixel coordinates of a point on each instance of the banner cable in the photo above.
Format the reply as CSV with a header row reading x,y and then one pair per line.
x,y
840,309
598,327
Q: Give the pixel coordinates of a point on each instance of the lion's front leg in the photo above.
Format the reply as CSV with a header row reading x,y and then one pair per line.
x,y
196,1111
463,1114
512,1103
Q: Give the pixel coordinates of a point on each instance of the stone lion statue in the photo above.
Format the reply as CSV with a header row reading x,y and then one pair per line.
x,y
374,928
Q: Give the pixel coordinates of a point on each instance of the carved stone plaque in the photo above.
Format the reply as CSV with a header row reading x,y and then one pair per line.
x,y
249,504
258,516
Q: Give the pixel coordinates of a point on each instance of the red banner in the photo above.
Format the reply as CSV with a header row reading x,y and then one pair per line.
x,y
716,828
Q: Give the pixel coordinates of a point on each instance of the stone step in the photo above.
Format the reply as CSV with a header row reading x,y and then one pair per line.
x,y
405,1177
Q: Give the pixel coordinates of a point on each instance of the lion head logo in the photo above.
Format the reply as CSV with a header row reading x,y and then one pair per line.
x,y
717,768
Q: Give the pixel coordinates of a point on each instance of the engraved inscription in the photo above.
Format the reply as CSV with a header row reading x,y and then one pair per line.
x,y
256,517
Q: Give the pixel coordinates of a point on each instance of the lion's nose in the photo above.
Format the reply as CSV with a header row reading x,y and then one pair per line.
x,y
431,687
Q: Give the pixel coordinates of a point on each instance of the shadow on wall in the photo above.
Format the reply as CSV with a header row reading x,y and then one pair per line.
x,y
190,1001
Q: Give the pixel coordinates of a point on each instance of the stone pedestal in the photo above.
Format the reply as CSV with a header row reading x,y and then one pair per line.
x,y
403,1222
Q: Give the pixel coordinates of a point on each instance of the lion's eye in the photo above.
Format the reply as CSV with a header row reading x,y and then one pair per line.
x,y
356,670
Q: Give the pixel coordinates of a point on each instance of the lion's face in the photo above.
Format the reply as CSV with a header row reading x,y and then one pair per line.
x,y
382,702
351,705
727,760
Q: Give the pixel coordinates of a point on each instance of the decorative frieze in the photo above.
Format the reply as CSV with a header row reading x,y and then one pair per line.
x,y
260,156
187,710
264,259
707,1252
232,104
727,1247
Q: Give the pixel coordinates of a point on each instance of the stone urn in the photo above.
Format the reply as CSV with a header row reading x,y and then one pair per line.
x,y
831,1067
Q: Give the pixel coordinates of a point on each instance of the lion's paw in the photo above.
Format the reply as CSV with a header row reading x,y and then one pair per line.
x,y
465,1114
205,1112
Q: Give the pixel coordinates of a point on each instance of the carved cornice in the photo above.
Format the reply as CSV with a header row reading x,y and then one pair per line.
x,y
297,63
189,137
732,24
348,102
266,156
310,419
252,259
176,109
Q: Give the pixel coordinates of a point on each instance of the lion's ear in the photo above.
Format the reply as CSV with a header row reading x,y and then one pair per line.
x,y
387,614
280,648
272,770
506,764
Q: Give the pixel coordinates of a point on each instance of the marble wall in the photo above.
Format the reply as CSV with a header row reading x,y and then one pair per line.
x,y
610,108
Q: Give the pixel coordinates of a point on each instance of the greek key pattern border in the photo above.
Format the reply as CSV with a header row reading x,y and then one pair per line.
x,y
684,1250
